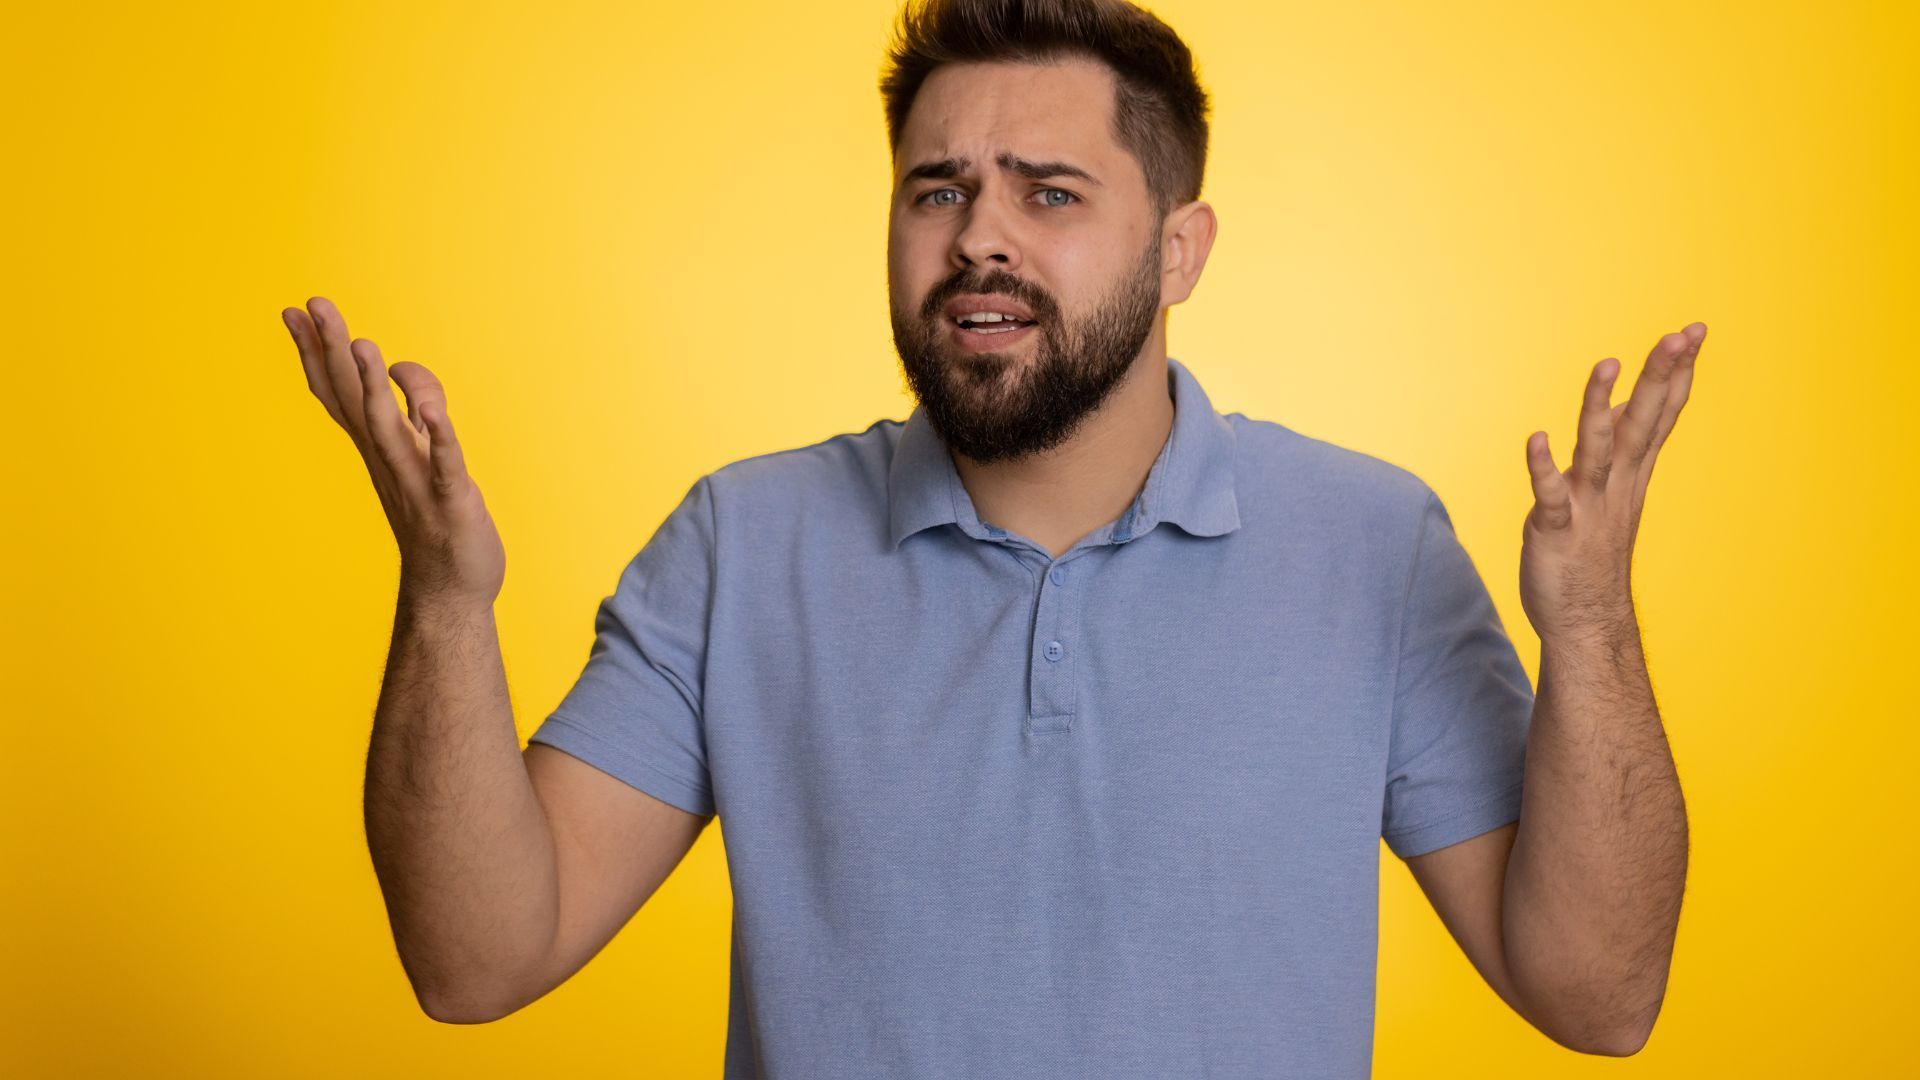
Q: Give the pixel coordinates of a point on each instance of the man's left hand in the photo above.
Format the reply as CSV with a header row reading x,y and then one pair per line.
x,y
1577,547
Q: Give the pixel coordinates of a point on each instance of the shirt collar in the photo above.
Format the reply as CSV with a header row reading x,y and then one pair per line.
x,y
1190,483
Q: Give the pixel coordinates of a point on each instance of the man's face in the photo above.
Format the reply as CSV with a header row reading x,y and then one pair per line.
x,y
1083,266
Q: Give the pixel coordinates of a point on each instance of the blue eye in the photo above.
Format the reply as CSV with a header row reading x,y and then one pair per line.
x,y
1071,197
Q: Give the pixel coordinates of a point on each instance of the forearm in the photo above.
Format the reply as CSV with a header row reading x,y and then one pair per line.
x,y
1598,865
459,840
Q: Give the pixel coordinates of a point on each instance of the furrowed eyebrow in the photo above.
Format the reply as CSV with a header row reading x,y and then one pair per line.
x,y
948,168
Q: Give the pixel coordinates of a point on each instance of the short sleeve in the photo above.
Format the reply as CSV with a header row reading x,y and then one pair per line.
x,y
1461,704
635,710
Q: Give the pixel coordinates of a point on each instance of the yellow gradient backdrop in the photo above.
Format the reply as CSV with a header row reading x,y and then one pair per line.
x,y
639,241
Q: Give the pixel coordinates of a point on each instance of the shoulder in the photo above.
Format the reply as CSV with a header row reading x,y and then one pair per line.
x,y
1283,474
841,476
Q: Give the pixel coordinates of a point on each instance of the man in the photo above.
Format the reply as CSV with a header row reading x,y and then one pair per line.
x,y
1055,729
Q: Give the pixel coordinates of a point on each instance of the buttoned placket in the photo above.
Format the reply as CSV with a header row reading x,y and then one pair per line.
x,y
1054,641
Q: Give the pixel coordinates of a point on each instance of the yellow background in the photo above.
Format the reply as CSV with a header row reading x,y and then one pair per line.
x,y
639,241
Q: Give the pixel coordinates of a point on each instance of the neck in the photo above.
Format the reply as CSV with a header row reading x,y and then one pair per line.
x,y
1059,497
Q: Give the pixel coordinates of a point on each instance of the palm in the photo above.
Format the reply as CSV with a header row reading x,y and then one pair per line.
x,y
448,542
1577,542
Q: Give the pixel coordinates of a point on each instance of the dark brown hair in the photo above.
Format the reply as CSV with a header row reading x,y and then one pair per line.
x,y
1160,109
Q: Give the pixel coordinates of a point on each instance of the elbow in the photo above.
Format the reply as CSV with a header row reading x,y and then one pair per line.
x,y
1623,1044
1624,1040
449,1007
1590,1020
457,1015
465,997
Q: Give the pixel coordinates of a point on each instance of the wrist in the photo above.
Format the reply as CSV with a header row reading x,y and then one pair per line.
x,y
1608,641
435,601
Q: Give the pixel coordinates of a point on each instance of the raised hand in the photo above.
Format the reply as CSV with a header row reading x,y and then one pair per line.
x,y
450,550
1576,551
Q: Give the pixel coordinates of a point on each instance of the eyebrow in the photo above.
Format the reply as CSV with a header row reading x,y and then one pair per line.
x,y
948,168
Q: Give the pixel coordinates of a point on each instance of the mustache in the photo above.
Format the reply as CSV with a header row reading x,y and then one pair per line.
x,y
999,282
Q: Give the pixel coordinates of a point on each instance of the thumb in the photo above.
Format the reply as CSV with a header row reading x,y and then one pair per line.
x,y
421,387
449,464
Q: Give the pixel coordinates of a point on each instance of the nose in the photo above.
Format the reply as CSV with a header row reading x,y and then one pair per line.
x,y
986,238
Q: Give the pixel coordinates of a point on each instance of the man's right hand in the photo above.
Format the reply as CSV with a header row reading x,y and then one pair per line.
x,y
450,550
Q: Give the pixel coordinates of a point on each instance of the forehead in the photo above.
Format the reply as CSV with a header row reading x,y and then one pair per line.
x,y
1061,110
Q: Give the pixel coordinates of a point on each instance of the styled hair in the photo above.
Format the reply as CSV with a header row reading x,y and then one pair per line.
x,y
1160,108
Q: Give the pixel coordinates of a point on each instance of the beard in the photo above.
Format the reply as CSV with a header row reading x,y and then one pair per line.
x,y
992,406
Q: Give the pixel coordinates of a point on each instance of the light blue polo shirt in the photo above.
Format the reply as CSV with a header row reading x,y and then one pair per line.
x,y
1114,815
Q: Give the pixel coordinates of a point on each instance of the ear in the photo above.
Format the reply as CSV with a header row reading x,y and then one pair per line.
x,y
1185,239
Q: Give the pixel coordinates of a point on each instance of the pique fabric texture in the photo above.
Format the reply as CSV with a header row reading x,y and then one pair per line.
x,y
989,813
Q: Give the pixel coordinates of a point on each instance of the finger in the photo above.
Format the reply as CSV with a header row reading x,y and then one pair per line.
x,y
420,386
338,364
1649,396
312,360
1552,498
392,438
449,464
1593,451
1678,388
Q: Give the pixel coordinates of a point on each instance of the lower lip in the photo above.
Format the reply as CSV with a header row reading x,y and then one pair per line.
x,y
973,341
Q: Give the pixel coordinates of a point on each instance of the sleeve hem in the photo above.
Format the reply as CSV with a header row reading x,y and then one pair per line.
x,y
564,734
1500,808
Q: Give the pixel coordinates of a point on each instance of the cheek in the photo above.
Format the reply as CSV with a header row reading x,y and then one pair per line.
x,y
913,266
908,239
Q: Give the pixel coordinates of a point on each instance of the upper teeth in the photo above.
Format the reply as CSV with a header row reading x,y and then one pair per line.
x,y
987,317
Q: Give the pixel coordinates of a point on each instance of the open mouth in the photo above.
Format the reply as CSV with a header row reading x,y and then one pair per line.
x,y
978,337
998,325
